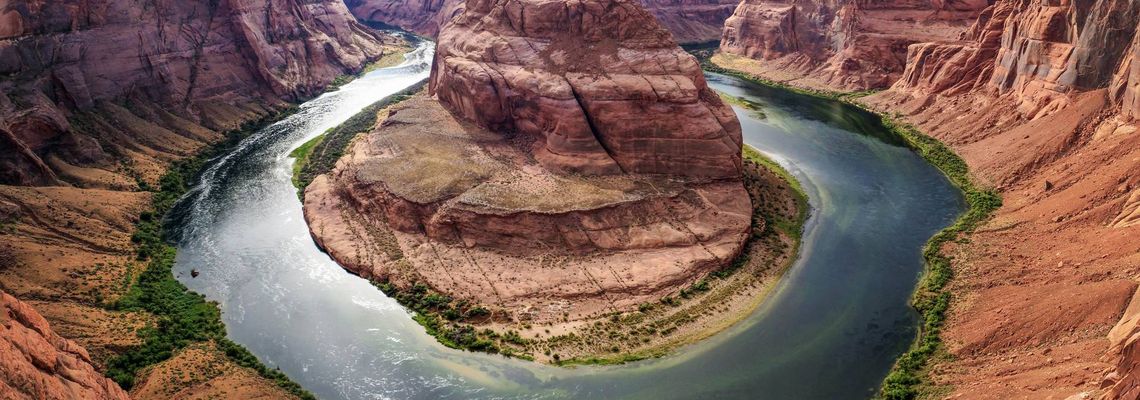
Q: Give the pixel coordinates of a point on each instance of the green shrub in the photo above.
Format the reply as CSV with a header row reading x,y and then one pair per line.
x,y
931,298
183,317
322,156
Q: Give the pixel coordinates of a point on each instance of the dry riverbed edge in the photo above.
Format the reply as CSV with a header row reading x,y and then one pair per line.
x,y
694,312
910,377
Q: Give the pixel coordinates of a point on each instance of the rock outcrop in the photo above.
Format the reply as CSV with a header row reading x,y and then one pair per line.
x,y
580,78
173,64
691,21
97,99
1040,99
841,44
36,363
424,17
572,163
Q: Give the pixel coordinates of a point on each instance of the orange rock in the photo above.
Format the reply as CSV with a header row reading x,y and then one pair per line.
x,y
573,162
845,44
215,64
39,364
691,21
583,78
1039,92
420,16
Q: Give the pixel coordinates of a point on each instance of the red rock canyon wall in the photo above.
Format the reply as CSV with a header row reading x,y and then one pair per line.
x,y
581,77
846,44
1040,99
39,364
186,63
691,21
97,98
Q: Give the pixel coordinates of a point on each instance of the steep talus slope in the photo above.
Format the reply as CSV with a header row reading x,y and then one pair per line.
x,y
690,21
1039,98
97,98
36,363
570,162
847,44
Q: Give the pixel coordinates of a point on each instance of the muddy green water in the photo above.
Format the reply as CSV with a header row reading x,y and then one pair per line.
x,y
830,330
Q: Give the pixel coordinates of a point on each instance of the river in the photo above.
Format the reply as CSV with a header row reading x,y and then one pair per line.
x,y
830,330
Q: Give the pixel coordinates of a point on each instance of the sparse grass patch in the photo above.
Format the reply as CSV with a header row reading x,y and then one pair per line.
x,y
777,221
300,157
323,155
394,56
445,319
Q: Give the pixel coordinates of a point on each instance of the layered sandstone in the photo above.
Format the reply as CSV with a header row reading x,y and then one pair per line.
x,y
572,163
581,79
1039,98
424,17
177,66
840,44
97,99
691,21
37,363
472,215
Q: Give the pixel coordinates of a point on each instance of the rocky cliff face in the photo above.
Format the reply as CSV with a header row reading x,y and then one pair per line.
x,y
691,21
580,79
171,64
1125,88
1039,53
424,17
39,364
572,161
97,98
844,44
1040,98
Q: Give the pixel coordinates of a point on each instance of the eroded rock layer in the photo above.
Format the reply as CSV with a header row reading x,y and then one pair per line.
x,y
691,21
36,363
173,64
844,44
572,162
97,99
1040,99
424,17
583,79
470,214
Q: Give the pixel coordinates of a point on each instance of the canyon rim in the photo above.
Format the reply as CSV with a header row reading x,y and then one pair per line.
x,y
530,201
566,186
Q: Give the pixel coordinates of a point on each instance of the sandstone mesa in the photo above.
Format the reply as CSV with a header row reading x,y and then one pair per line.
x,y
572,163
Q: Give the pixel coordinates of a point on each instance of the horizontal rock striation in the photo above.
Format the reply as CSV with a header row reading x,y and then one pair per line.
x,y
508,232
39,364
176,66
581,77
424,17
841,44
690,21
572,162
1040,99
97,99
